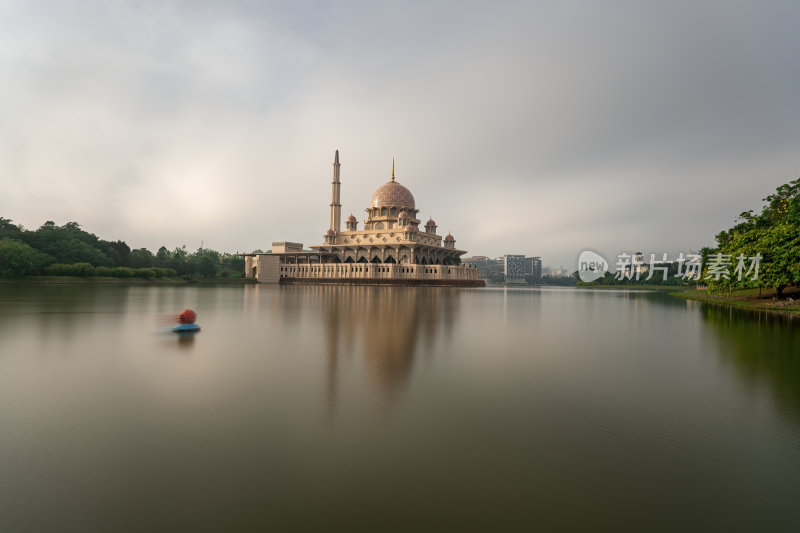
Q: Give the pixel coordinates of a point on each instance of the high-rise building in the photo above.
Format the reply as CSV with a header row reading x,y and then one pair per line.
x,y
514,268
533,267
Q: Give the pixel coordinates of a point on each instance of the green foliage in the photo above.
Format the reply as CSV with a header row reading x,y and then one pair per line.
x,y
774,234
68,244
103,272
19,259
123,272
9,230
68,250
141,258
205,262
77,269
83,269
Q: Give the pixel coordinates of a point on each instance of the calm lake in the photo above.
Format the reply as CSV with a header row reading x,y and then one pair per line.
x,y
394,409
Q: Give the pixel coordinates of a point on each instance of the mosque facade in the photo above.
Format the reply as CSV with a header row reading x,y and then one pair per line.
x,y
392,247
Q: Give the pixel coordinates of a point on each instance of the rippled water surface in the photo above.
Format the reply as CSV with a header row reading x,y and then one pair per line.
x,y
394,409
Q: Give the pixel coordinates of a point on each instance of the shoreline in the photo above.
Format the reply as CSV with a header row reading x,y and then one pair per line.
x,y
75,280
743,299
665,288
385,282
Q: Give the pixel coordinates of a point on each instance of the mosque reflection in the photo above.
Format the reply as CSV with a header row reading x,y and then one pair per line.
x,y
387,326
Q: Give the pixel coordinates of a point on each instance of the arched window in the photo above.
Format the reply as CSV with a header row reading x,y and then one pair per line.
x,y
393,212
379,225
383,211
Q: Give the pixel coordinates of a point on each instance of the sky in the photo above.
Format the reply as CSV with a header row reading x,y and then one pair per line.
x,y
533,127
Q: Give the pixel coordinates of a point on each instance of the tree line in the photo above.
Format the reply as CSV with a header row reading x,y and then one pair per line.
x,y
68,250
773,235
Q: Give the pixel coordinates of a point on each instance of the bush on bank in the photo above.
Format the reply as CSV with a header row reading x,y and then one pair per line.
x,y
86,270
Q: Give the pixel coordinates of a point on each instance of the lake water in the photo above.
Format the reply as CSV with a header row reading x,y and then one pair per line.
x,y
315,408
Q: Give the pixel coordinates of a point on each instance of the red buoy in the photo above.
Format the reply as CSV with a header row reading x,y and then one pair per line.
x,y
187,316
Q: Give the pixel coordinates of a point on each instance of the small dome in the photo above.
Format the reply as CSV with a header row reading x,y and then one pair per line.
x,y
410,228
430,222
330,233
449,238
392,194
351,218
403,214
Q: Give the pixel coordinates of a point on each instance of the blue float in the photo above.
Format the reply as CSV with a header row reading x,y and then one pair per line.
x,y
186,328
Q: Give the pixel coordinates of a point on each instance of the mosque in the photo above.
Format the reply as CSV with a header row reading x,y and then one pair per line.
x,y
390,249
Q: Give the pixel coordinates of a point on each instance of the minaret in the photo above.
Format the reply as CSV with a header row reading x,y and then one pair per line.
x,y
336,204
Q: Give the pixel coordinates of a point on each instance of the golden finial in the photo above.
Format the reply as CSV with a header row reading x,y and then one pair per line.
x,y
393,169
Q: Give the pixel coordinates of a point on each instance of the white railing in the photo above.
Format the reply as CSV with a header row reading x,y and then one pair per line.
x,y
377,271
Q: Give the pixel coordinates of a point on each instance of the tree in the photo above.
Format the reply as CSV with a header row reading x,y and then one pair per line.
x,y
774,234
141,258
19,259
9,229
118,251
179,261
163,257
204,265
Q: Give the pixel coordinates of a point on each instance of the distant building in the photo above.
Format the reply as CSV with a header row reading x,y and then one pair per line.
x,y
514,268
557,272
486,266
533,267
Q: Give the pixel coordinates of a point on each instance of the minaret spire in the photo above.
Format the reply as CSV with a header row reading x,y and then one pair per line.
x,y
336,204
393,169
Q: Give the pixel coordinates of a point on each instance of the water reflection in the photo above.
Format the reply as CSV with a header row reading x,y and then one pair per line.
x,y
185,340
444,409
763,346
384,326
61,310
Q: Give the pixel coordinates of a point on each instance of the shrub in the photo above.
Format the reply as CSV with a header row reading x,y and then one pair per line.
x,y
75,269
58,269
122,272
145,273
82,269
103,271
165,272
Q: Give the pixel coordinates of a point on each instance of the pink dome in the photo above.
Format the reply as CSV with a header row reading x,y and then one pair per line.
x,y
449,238
403,214
330,233
351,218
410,228
392,194
430,222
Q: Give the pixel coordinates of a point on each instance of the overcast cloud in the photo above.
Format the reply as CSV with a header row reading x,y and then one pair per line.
x,y
540,128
